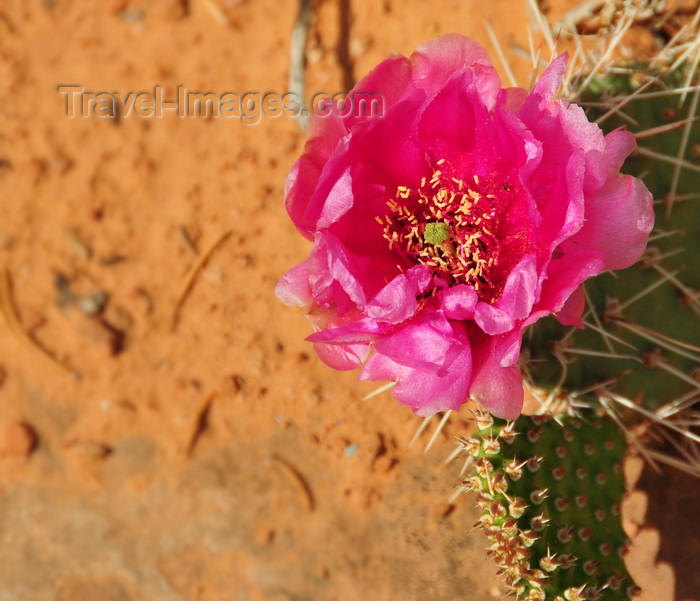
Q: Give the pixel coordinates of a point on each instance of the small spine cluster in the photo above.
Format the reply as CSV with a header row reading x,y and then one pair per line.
x,y
550,499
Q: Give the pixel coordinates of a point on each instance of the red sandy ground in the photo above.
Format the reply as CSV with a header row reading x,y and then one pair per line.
x,y
209,455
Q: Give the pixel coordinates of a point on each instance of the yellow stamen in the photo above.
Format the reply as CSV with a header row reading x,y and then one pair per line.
x,y
439,225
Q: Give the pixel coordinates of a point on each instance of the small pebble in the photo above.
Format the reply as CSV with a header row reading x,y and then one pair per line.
x,y
358,46
17,440
98,333
384,464
76,243
213,274
265,535
92,303
132,16
314,55
6,241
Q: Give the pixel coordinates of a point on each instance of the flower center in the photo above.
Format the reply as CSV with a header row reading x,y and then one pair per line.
x,y
448,225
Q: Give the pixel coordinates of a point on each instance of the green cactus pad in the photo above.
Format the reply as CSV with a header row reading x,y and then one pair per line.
x,y
642,330
550,495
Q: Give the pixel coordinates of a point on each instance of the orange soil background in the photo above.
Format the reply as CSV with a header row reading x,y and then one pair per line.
x,y
208,455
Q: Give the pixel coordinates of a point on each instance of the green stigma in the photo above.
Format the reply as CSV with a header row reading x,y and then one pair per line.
x,y
436,233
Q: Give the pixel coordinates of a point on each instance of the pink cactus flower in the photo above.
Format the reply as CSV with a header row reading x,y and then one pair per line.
x,y
461,216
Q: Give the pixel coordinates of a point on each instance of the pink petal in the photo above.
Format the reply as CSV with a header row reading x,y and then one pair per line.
x,y
347,346
570,314
335,274
516,301
390,79
342,357
455,124
506,348
564,276
618,221
435,62
389,152
514,98
619,144
397,302
426,388
459,302
309,184
338,202
550,81
497,389
493,320
293,287
422,343
603,164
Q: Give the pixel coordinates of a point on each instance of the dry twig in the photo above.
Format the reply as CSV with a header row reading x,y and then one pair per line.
x,y
7,308
192,274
